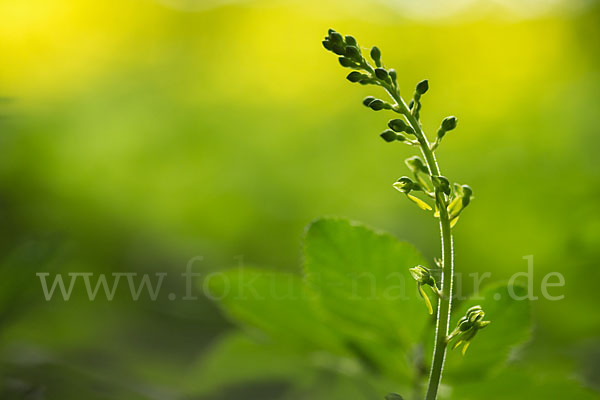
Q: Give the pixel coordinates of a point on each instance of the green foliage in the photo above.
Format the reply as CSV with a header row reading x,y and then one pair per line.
x,y
352,313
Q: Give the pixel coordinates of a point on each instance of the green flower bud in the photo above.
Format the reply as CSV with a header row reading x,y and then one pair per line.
x,y
388,135
377,105
449,123
367,100
376,55
392,73
330,31
411,104
381,74
398,125
353,52
338,49
327,44
346,62
336,38
355,76
422,87
350,41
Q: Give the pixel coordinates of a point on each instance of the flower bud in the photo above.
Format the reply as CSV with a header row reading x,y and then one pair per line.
x,y
376,55
336,38
353,52
346,62
351,41
355,76
327,44
388,135
381,74
367,100
422,87
397,125
449,123
377,105
338,49
393,75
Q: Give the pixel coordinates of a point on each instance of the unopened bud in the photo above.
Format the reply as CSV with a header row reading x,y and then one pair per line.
x,y
377,105
336,38
346,62
355,76
376,55
449,123
367,100
351,41
393,75
353,52
388,135
398,125
422,86
381,74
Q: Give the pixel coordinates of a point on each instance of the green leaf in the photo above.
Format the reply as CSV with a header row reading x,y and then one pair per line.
x,y
362,279
510,326
278,304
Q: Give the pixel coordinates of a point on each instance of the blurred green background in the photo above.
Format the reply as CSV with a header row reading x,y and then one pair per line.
x,y
135,135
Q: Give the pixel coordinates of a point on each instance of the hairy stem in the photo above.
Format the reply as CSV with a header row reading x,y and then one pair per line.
x,y
447,273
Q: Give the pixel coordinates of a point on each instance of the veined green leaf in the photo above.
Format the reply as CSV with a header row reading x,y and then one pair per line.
x,y
362,279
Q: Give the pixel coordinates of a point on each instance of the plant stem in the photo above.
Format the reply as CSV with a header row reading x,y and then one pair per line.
x,y
447,273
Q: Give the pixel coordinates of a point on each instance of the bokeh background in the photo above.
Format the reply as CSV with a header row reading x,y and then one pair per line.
x,y
137,134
